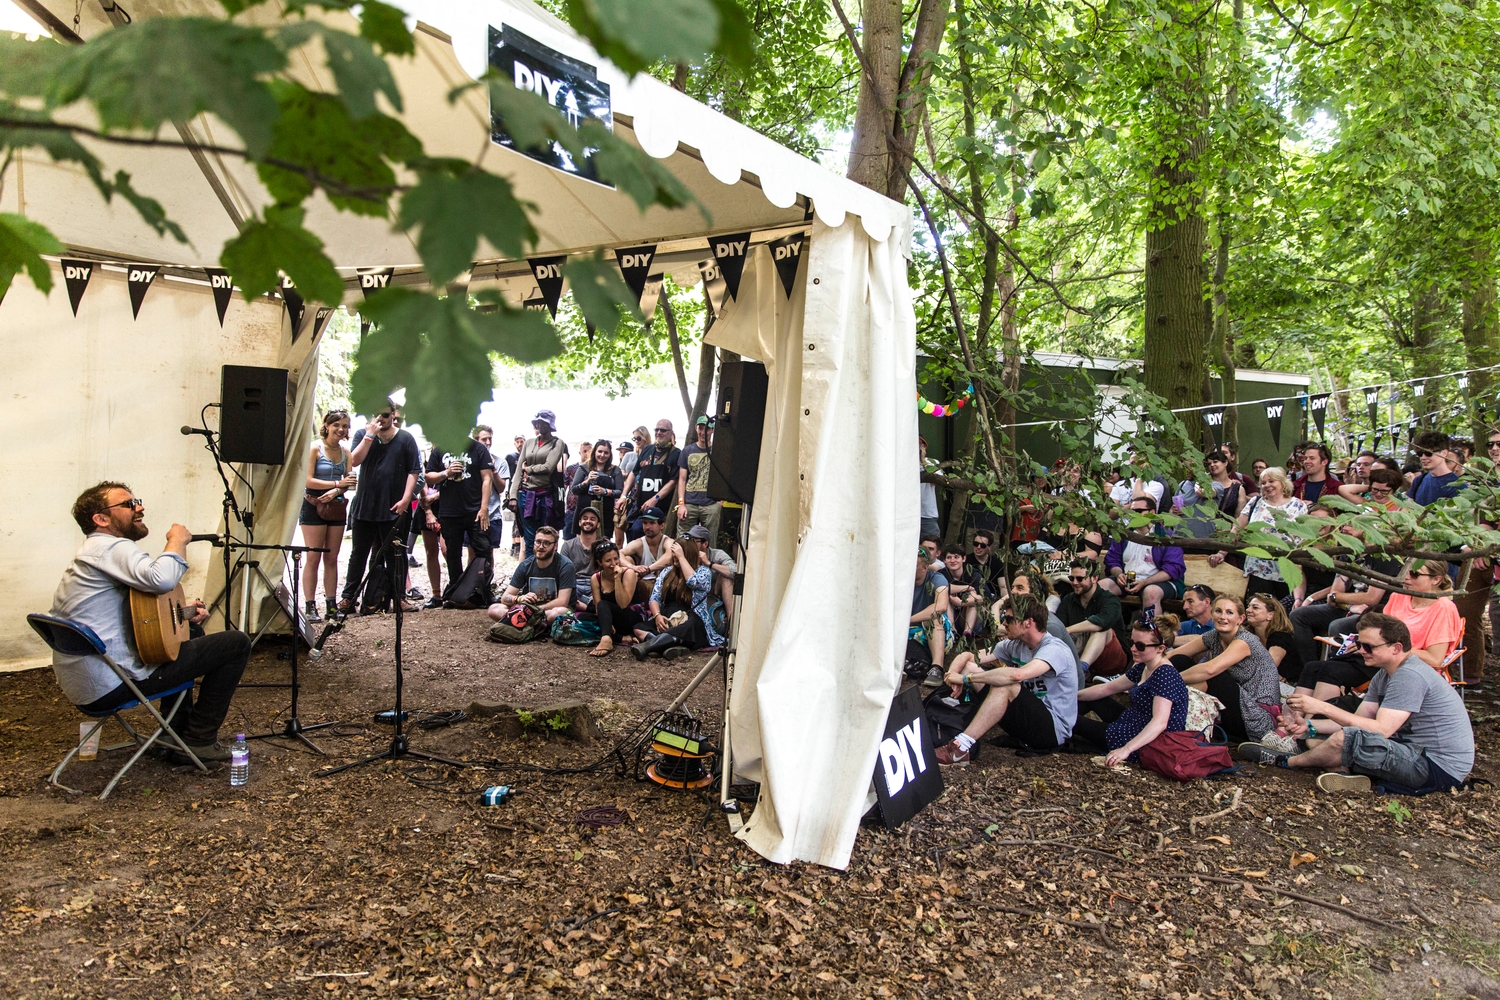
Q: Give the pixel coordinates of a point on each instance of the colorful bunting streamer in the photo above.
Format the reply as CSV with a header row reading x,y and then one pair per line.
x,y
941,409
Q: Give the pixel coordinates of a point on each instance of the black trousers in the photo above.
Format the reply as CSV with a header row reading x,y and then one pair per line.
x,y
219,659
1091,732
455,530
1310,622
1231,719
615,621
366,537
1348,672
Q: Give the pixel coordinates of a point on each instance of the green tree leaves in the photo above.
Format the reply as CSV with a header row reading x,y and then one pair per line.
x,y
453,205
21,244
600,292
278,242
633,34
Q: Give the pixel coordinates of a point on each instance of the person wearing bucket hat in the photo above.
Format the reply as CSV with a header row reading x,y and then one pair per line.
x,y
533,495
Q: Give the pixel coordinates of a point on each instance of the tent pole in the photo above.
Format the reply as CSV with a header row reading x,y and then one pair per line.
x,y
727,803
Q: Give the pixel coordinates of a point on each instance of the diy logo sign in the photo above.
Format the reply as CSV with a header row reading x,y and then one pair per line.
x,y
730,253
1318,406
76,275
138,278
786,253
570,86
1273,417
548,272
223,289
373,281
907,778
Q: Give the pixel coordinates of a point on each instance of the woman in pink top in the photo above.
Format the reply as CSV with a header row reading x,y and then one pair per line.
x,y
1434,622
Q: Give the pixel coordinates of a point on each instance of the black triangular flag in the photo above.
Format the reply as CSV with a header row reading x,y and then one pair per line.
x,y
76,274
320,317
138,278
1213,420
1376,445
650,296
635,267
548,272
364,327
1395,437
537,304
730,253
295,307
1419,389
787,254
223,286
373,281
713,286
1273,417
1372,403
1318,406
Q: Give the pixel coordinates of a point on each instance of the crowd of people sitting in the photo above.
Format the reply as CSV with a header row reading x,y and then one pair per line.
x,y
1330,672
621,551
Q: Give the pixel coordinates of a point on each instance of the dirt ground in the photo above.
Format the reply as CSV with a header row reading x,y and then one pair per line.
x,y
1042,877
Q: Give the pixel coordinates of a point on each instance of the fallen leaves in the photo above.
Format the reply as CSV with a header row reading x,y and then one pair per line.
x,y
1302,858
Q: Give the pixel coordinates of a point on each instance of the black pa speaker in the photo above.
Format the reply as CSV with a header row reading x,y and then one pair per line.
x,y
252,415
741,416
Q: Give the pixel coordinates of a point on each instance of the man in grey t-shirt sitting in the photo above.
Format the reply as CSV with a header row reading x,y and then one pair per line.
x,y
1032,695
1412,733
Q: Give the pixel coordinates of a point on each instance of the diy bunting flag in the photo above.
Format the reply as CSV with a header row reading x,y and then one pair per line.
x,y
223,288
1273,417
295,307
635,267
1213,420
1372,403
1318,406
76,275
713,286
548,272
374,280
650,295
786,253
138,278
730,253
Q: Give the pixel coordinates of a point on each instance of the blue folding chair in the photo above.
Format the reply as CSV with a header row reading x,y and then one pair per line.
x,y
72,638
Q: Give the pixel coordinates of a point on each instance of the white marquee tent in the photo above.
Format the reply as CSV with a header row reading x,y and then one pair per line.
x,y
834,525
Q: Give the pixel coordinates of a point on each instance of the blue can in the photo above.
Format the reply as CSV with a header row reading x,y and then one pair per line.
x,y
495,794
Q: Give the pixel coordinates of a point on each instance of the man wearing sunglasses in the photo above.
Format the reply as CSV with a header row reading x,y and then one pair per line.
x,y
984,564
1411,735
1093,618
1031,685
1437,480
94,591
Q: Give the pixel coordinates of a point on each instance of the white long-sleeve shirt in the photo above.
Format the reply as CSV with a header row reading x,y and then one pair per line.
x,y
95,590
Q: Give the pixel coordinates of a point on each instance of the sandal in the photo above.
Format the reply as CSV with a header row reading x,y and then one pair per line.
x,y
602,649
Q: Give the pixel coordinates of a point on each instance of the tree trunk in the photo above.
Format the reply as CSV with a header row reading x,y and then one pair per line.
x,y
1426,361
682,383
1481,328
911,104
870,160
707,355
1223,342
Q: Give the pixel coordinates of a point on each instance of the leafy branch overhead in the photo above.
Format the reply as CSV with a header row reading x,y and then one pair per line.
x,y
133,83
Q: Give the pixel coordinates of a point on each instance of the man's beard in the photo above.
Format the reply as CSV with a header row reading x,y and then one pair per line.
x,y
136,530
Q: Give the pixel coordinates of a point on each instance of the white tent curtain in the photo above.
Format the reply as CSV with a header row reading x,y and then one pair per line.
x,y
833,536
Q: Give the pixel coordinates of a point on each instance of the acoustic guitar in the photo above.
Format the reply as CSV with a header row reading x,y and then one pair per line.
x,y
161,624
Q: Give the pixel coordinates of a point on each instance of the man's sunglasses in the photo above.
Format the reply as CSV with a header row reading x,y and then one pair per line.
x,y
1141,647
133,503
1381,491
1371,647
1078,579
1423,454
1495,444
981,545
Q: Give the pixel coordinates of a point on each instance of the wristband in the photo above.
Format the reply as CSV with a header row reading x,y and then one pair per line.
x,y
1312,731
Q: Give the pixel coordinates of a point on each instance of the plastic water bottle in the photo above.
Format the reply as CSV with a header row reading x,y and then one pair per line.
x,y
239,761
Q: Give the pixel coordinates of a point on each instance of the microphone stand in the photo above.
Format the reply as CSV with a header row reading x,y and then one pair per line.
x,y
231,507
294,729
400,748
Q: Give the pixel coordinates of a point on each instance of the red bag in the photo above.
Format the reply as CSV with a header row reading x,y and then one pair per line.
x,y
1183,756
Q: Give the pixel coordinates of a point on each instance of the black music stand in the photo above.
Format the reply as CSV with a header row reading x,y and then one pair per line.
x,y
400,748
294,728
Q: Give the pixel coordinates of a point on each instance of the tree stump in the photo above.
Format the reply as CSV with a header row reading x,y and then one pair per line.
x,y
571,719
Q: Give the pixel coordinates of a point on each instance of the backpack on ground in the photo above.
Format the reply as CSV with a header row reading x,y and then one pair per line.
x,y
947,721
576,630
521,624
472,588
377,592
1183,756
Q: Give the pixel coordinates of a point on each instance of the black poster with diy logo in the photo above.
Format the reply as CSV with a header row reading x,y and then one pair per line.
x,y
730,253
223,289
1273,417
76,275
138,278
570,86
907,778
1318,406
375,280
786,254
548,272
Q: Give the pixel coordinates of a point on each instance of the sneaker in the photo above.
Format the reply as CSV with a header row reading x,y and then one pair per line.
x,y
311,613
209,753
934,677
1333,781
1259,753
950,755
1279,742
434,602
414,594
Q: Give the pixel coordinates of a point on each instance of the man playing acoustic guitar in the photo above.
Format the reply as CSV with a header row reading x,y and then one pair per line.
x,y
95,590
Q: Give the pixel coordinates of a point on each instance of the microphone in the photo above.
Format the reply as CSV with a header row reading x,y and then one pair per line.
x,y
186,430
217,540
315,652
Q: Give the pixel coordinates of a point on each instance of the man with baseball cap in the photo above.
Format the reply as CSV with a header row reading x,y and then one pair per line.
x,y
533,494
650,552
580,552
694,505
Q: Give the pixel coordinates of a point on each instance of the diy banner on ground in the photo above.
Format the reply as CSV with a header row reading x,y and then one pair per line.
x,y
906,772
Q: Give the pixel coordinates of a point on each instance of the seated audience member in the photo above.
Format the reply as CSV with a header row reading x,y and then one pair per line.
x,y
648,553
580,552
933,546
1198,609
1127,490
1023,585
968,595
1239,672
684,586
1381,488
1346,599
1317,582
1092,546
1268,620
927,510
1229,490
1158,697
1262,575
1433,625
984,562
613,586
94,591
1411,734
1032,695
1029,583
545,579
930,618
1092,617
1316,479
720,563
1251,483
1437,481
1256,468
1152,571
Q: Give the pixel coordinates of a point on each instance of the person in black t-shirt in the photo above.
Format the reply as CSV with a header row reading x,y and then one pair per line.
x,y
463,507
544,580
389,461
652,482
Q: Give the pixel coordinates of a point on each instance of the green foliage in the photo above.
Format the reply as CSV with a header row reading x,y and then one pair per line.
x,y
633,34
454,205
21,244
600,292
278,242
1397,811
